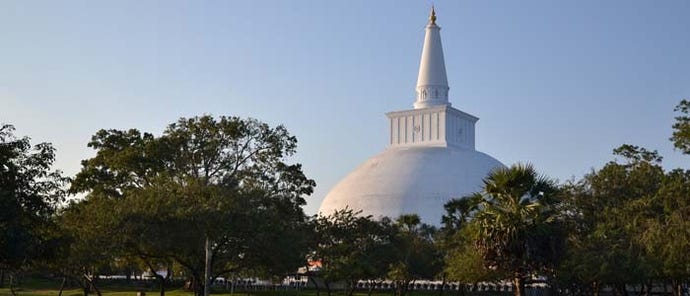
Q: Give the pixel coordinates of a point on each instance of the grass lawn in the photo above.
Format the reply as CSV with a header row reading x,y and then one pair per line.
x,y
106,291
177,292
43,287
50,288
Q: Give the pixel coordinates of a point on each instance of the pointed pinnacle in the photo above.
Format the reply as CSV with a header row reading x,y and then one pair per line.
x,y
432,18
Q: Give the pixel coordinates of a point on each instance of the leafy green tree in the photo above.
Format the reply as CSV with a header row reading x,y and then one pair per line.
x,y
517,223
29,195
459,212
350,247
462,261
681,128
666,235
212,186
89,242
415,254
608,209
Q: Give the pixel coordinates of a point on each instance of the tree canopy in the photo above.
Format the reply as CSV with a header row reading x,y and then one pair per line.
x,y
30,192
214,194
513,224
218,196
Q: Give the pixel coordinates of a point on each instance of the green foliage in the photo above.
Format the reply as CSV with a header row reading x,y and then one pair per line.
x,y
628,220
219,180
665,234
512,228
30,193
417,256
459,212
351,247
464,263
89,240
608,211
155,201
415,253
517,221
681,128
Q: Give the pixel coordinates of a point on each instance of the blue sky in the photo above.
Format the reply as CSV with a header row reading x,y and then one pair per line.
x,y
555,83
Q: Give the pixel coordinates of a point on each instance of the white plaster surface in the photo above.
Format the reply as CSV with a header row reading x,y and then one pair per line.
x,y
434,126
411,180
432,82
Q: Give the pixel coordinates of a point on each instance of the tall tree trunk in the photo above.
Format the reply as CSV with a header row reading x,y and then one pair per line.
x,y
328,287
519,285
95,288
161,281
554,289
62,285
160,278
316,285
91,284
128,276
198,285
351,284
169,272
443,285
622,290
401,287
371,287
207,270
12,280
232,284
85,286
647,286
642,288
677,288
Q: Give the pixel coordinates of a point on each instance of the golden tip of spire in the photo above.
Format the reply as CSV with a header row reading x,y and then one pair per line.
x,y
432,18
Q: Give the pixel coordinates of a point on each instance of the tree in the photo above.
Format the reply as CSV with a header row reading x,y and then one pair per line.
x,y
608,210
517,223
628,219
666,235
459,212
216,181
681,128
462,261
350,247
29,195
414,252
89,242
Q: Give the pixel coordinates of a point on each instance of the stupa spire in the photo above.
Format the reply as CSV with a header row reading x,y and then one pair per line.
x,y
432,83
432,17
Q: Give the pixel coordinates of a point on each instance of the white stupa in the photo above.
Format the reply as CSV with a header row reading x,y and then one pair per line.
x,y
431,157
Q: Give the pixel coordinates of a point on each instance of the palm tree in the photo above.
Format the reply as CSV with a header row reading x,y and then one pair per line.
x,y
516,218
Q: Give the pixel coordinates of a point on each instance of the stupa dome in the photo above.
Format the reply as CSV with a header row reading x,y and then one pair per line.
x,y
431,158
408,180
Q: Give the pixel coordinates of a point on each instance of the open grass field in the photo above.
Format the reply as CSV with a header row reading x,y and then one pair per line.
x,y
42,287
177,292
